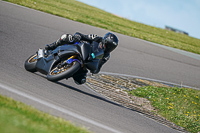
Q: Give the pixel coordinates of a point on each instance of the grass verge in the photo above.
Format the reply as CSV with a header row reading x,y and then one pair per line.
x,y
16,117
78,11
178,105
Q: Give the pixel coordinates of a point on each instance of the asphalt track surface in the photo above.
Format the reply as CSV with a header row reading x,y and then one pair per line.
x,y
23,31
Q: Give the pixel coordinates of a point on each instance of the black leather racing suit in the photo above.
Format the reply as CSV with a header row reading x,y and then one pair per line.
x,y
80,76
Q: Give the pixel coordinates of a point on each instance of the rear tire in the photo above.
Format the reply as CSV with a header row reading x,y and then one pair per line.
x,y
53,75
30,63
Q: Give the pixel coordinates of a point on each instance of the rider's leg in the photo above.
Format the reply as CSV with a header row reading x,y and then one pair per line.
x,y
80,76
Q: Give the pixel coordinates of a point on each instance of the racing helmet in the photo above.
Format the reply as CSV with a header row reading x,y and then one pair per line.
x,y
110,41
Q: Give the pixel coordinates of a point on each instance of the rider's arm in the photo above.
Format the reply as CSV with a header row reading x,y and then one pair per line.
x,y
64,39
71,39
90,38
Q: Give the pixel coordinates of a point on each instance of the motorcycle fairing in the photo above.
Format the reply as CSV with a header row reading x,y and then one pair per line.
x,y
44,65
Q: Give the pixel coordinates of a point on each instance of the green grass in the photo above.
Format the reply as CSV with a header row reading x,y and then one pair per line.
x,y
178,105
16,117
78,11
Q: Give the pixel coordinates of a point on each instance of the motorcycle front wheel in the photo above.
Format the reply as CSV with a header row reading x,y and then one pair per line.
x,y
30,63
61,72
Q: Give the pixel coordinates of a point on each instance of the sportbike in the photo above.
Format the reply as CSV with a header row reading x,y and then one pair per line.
x,y
66,60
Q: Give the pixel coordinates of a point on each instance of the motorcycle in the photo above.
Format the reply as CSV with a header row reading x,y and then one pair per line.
x,y
64,61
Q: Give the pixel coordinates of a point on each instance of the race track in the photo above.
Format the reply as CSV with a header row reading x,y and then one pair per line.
x,y
24,30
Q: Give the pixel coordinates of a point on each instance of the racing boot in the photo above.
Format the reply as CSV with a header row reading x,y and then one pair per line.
x,y
80,82
80,76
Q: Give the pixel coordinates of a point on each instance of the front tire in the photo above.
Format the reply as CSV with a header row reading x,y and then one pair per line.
x,y
30,63
56,73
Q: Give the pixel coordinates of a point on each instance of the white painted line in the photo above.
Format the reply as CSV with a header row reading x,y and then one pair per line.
x,y
5,87
183,52
155,80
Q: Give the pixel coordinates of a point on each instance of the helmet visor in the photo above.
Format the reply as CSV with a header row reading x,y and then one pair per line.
x,y
110,46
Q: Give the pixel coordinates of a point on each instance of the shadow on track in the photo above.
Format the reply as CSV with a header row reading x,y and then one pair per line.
x,y
91,95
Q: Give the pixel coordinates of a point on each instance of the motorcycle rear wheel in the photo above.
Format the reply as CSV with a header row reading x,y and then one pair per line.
x,y
57,73
30,63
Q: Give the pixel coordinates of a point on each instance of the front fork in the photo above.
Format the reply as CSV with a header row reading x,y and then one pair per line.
x,y
72,59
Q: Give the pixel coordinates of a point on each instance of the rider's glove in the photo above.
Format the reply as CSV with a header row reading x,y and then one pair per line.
x,y
49,47
76,38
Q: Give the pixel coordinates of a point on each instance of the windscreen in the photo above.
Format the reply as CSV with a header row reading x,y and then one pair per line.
x,y
98,52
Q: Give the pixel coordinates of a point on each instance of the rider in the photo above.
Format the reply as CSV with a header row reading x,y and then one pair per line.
x,y
108,43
